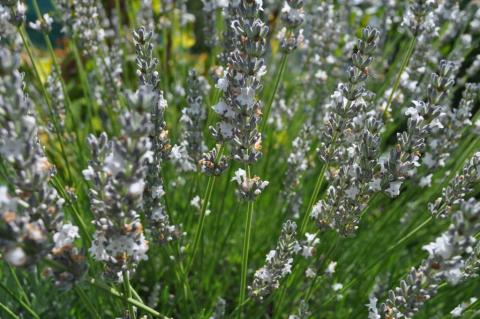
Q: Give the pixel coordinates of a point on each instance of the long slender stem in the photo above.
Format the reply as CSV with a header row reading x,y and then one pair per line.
x,y
406,59
8,311
47,99
88,304
311,202
205,201
246,247
128,293
22,303
278,77
113,292
19,285
68,103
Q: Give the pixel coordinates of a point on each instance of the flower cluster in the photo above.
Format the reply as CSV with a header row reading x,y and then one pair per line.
x,y
445,263
193,118
31,210
278,263
152,103
213,163
348,122
349,99
416,17
297,165
239,109
459,187
443,139
210,20
292,17
249,188
43,24
117,174
424,117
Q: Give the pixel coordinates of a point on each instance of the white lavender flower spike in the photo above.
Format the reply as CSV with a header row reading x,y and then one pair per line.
x,y
445,263
278,264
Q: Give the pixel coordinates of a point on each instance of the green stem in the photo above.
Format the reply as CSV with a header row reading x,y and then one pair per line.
x,y
19,285
113,292
128,294
68,103
8,311
47,100
88,304
22,303
405,61
278,77
246,248
205,201
311,202
75,211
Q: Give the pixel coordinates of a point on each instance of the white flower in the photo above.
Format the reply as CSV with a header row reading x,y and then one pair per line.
x,y
136,189
158,191
442,246
337,286
247,97
457,311
195,202
271,254
372,308
310,273
394,188
426,181
375,185
222,83
226,129
16,256
223,109
65,235
331,268
4,198
352,192
114,163
454,275
179,156
240,176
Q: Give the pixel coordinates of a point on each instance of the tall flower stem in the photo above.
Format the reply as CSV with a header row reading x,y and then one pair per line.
x,y
278,77
22,303
205,201
68,103
134,302
8,311
128,294
26,43
19,285
246,247
311,202
405,61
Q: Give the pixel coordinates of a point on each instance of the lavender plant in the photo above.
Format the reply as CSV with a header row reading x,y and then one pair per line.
x,y
151,153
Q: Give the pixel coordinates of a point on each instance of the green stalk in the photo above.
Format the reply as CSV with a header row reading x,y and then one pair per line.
x,y
246,247
278,77
205,201
113,292
26,43
88,304
68,103
22,303
128,294
311,202
19,285
405,61
8,311
75,211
